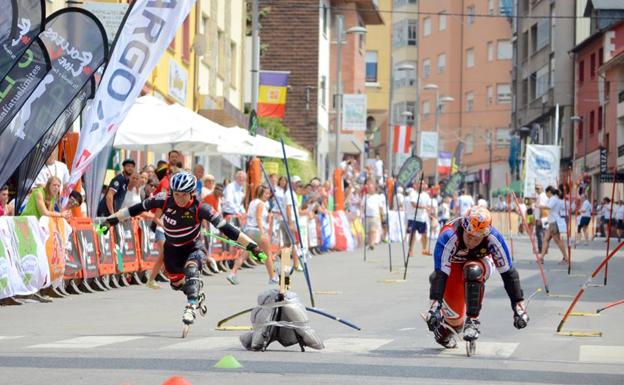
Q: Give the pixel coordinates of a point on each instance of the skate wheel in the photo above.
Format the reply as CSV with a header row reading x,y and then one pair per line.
x,y
185,330
471,348
203,310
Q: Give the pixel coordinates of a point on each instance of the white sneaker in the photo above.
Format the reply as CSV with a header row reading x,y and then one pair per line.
x,y
275,280
233,279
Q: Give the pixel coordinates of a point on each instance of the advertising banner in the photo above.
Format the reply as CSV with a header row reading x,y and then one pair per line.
x,y
354,112
149,28
428,145
20,22
78,44
542,166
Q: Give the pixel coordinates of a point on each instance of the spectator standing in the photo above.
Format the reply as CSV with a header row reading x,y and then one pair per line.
x,y
133,194
464,202
214,198
198,171
234,195
418,223
208,186
374,212
378,169
55,168
445,211
481,202
606,216
619,217
541,213
289,197
556,224
117,188
584,218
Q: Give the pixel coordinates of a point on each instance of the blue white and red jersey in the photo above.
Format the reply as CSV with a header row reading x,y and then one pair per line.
x,y
450,248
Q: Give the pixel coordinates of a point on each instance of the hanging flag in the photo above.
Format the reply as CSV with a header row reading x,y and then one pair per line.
x,y
20,23
272,94
30,167
78,44
401,142
456,163
143,38
444,163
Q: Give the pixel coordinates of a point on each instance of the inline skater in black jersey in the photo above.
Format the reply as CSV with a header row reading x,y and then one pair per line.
x,y
181,214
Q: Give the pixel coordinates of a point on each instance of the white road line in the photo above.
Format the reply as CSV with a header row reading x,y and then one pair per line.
x,y
208,343
484,349
601,354
353,345
9,337
85,342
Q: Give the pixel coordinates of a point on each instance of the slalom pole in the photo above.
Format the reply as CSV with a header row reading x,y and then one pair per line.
x,y
291,236
586,284
396,198
533,244
412,232
508,200
301,255
385,191
365,227
610,305
324,313
609,225
569,212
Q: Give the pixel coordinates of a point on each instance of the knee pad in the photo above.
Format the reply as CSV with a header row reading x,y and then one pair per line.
x,y
474,277
192,283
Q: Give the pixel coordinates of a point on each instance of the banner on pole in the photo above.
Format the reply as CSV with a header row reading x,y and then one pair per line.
x,y
408,171
401,143
354,112
78,42
542,166
444,163
20,22
149,28
428,144
272,94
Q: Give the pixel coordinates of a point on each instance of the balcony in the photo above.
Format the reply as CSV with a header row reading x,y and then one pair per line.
x,y
368,11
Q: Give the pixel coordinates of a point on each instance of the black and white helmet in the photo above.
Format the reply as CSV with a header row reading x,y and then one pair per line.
x,y
184,182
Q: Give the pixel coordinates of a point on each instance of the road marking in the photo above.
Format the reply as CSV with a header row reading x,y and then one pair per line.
x,y
353,345
87,342
208,343
406,329
484,349
602,354
9,337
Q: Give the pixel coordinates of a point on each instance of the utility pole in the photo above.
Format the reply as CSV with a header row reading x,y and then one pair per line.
x,y
338,99
489,185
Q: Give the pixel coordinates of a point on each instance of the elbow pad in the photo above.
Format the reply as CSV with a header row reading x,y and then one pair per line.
x,y
135,210
511,279
230,231
438,283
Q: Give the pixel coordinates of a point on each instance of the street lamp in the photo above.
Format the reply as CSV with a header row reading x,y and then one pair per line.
x,y
579,120
339,43
440,100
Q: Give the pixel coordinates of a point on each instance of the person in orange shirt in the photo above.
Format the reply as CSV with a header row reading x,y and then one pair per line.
x,y
214,198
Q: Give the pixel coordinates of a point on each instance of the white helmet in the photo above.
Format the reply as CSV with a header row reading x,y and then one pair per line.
x,y
184,182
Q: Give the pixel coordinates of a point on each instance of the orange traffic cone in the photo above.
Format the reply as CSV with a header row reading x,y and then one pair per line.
x,y
177,380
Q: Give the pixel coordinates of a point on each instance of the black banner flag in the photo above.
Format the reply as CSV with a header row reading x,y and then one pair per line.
x,y
20,23
30,167
76,42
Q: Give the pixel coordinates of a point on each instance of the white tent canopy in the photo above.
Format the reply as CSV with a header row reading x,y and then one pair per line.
x,y
154,125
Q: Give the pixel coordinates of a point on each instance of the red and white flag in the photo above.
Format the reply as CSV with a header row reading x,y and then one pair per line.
x,y
401,142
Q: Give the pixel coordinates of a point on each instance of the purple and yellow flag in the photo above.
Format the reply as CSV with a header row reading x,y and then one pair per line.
x,y
272,94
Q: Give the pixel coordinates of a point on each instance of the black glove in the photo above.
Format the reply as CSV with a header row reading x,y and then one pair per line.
x,y
521,318
256,253
111,221
434,316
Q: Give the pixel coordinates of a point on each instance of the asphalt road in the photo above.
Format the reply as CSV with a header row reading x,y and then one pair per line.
x,y
132,335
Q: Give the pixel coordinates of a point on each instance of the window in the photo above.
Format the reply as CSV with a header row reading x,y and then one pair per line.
x,y
469,101
405,78
581,71
323,90
402,3
580,130
426,109
600,118
600,56
426,68
441,63
503,137
427,26
233,64
607,90
470,58
491,7
441,21
471,15
186,40
503,50
592,117
542,37
592,66
399,108
503,93
325,16
469,142
490,95
525,45
541,81
371,66
220,63
412,32
490,51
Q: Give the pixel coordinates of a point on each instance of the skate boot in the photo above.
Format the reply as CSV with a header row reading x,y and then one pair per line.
x,y
189,314
471,329
203,309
